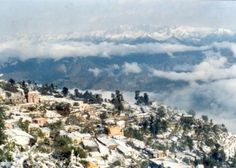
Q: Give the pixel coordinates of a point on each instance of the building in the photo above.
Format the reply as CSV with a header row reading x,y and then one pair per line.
x,y
108,142
9,125
33,97
115,130
46,132
159,154
77,137
90,145
40,121
124,150
92,165
168,162
20,137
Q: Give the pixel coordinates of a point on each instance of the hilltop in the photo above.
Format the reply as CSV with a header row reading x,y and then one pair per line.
x,y
48,127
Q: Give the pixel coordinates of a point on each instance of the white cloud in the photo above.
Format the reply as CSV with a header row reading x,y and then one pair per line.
x,y
216,99
213,68
115,67
59,47
62,68
131,68
95,71
225,44
107,43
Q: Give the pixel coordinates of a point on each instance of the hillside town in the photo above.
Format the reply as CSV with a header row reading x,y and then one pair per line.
x,y
44,126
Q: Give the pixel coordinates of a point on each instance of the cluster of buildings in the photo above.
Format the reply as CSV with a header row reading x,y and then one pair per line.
x,y
100,132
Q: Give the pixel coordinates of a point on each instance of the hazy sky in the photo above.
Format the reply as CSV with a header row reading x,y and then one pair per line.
x,y
62,16
29,17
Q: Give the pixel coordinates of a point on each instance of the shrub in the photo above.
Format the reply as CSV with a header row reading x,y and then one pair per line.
x,y
24,125
5,155
79,152
116,163
36,132
2,126
130,132
63,108
62,147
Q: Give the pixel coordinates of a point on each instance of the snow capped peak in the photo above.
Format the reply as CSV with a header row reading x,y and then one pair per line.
x,y
186,32
126,33
182,31
160,34
224,31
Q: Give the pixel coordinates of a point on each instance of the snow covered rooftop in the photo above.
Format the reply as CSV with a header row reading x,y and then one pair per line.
x,y
20,137
90,143
107,141
168,162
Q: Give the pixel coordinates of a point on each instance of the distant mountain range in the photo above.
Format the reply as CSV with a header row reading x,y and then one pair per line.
x,y
122,58
101,73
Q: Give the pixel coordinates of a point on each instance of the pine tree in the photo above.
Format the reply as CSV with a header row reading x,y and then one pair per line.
x,y
137,96
146,99
65,91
